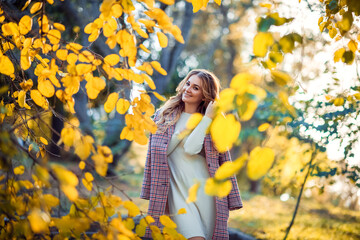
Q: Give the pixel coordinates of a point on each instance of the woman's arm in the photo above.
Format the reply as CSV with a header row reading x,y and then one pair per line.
x,y
195,140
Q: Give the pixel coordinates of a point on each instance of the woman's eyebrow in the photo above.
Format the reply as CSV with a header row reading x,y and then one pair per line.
x,y
194,84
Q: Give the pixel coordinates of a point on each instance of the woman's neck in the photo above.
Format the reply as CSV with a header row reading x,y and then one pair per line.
x,y
190,108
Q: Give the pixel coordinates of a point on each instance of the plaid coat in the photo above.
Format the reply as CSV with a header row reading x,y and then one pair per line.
x,y
156,181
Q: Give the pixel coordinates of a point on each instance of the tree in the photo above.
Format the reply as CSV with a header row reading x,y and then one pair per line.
x,y
45,76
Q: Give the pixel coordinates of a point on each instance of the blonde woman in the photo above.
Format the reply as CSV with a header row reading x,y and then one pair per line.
x,y
173,164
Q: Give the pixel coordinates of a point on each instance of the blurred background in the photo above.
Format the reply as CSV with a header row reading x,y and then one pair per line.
x,y
311,113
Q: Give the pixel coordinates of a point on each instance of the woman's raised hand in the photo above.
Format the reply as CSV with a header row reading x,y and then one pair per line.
x,y
210,110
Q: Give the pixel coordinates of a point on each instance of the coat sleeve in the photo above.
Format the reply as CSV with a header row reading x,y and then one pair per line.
x,y
145,189
234,198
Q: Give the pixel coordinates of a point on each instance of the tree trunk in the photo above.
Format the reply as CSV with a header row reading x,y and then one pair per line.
x,y
170,55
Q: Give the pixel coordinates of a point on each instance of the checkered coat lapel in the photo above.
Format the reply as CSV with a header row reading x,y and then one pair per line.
x,y
156,181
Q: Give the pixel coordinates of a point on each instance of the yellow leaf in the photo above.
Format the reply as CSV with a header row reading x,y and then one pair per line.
x,y
6,66
332,32
156,65
129,223
168,2
263,127
339,101
158,96
167,222
194,120
146,221
39,99
25,24
22,100
216,188
284,98
353,45
181,211
59,26
62,54
122,106
39,221
140,138
140,230
36,7
101,165
345,24
83,68
338,54
68,136
19,170
226,99
198,4
248,111
193,192
144,48
89,177
133,210
260,161
218,2
83,147
266,5
280,77
25,5
224,131
241,81
25,59
82,165
70,191
229,169
112,59
72,58
10,29
44,141
126,133
262,41
116,10
163,40
86,56
149,81
75,47
54,36
65,176
111,102
46,88
87,184
26,85
50,200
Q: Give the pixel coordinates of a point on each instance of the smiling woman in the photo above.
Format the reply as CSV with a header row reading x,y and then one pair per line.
x,y
174,163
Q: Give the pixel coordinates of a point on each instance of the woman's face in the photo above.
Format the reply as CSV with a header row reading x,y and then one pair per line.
x,y
192,91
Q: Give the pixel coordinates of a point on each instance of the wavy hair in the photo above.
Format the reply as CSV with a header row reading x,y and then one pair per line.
x,y
210,85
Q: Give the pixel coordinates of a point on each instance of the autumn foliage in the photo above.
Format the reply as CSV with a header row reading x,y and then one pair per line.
x,y
32,45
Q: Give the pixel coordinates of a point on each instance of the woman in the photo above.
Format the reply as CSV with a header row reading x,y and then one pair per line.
x,y
173,164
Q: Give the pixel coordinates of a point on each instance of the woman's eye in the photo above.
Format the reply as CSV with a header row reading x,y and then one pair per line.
x,y
195,88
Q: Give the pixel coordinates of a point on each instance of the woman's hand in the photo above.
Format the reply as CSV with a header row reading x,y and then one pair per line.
x,y
210,110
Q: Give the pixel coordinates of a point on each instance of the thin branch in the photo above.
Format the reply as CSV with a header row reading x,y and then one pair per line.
x,y
313,156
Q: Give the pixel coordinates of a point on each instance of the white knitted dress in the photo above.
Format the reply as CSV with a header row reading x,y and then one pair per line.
x,y
187,163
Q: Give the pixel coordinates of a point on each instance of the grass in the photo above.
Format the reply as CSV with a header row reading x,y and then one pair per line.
x,y
268,217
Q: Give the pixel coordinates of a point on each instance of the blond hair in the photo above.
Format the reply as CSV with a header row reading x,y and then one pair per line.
x,y
210,85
